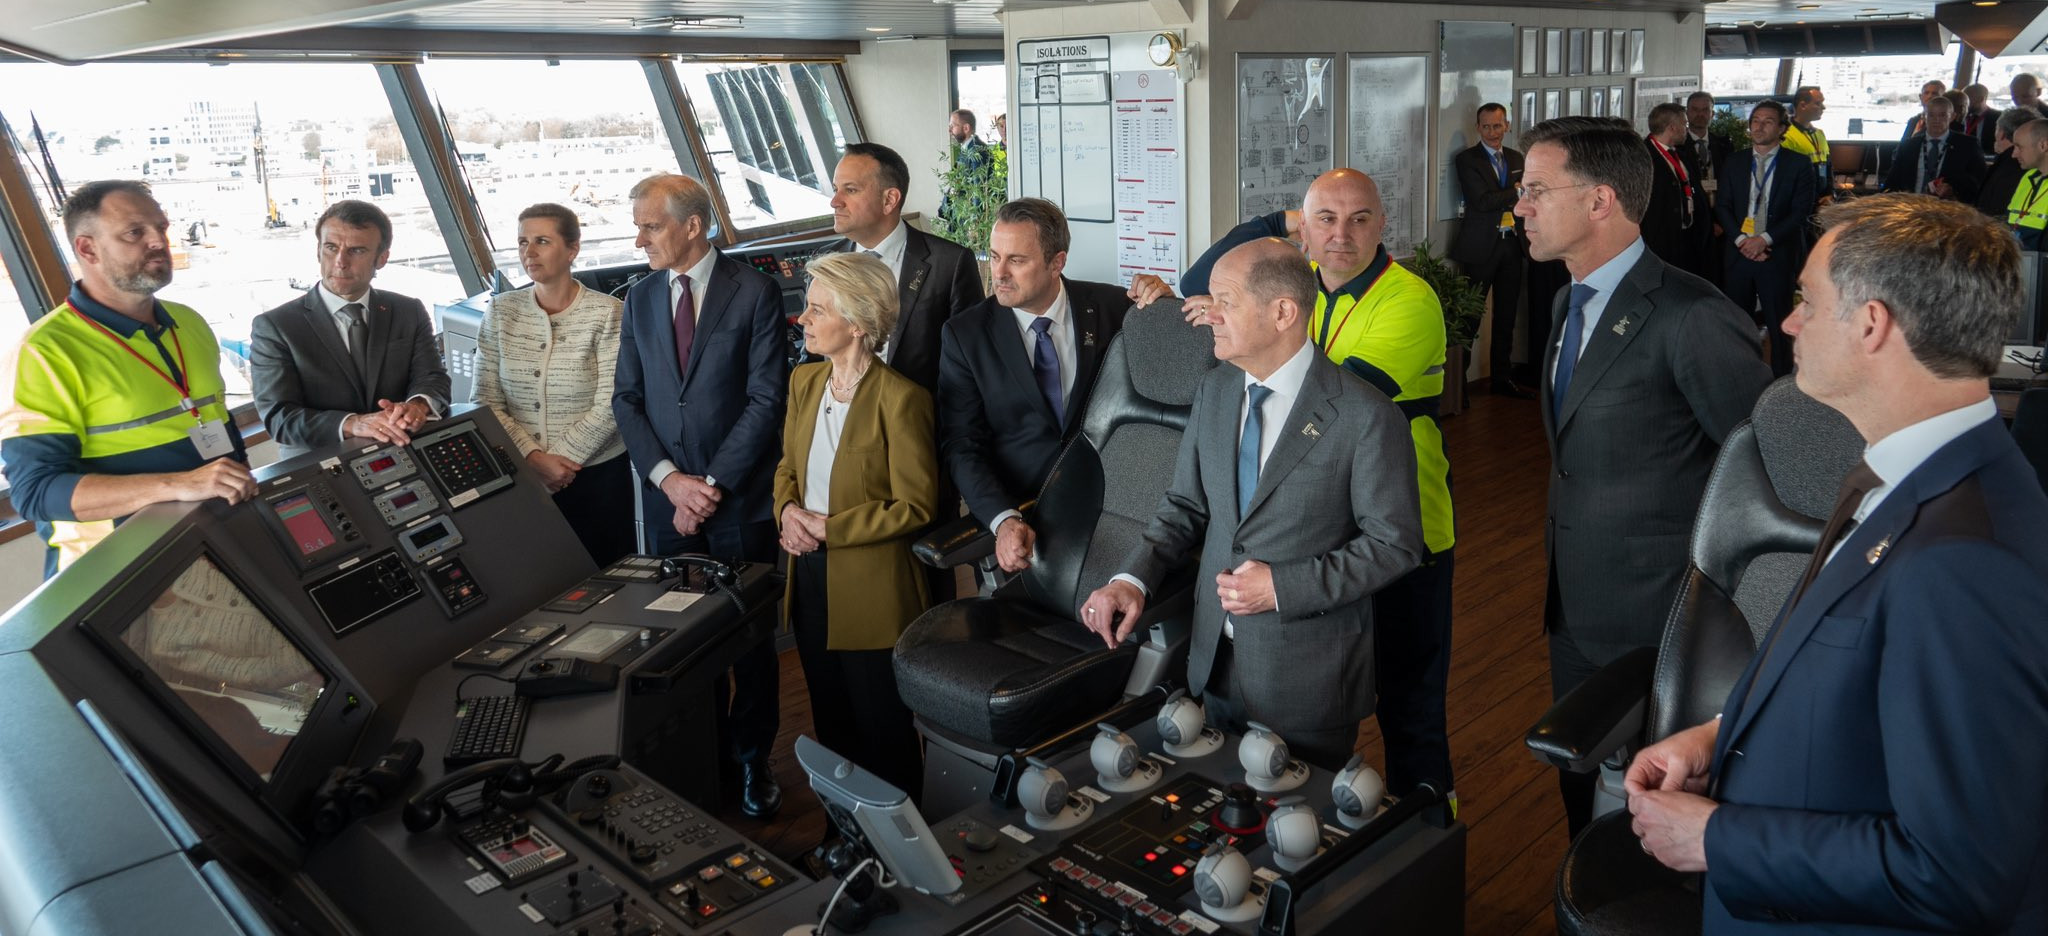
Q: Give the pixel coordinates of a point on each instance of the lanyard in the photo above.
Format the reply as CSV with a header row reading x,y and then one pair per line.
x,y
1759,184
182,383
1329,338
2033,195
1677,167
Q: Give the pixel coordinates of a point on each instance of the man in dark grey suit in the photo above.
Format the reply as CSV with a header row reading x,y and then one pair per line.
x,y
1654,367
1297,480
344,359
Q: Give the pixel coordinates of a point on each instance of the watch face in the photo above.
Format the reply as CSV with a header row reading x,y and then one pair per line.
x,y
1161,49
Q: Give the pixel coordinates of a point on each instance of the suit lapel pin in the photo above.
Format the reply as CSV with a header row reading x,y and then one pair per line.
x,y
1309,429
919,281
1621,327
1088,339
1877,552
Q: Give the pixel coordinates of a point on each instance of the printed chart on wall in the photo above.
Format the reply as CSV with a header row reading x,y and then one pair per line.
x,y
1151,213
1389,124
1651,92
1062,149
1284,130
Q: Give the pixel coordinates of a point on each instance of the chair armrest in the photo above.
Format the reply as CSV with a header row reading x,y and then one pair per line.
x,y
1598,717
956,542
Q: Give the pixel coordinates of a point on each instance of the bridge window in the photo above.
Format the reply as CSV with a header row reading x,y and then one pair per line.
x,y
244,158
773,134
13,317
578,133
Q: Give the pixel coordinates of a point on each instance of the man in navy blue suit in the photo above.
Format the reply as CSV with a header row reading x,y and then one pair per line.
x,y
1765,198
702,379
1879,766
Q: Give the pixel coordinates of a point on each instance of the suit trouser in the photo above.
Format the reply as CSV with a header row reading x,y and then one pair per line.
x,y
1569,667
855,708
1504,274
1767,285
599,506
1412,660
1326,747
754,715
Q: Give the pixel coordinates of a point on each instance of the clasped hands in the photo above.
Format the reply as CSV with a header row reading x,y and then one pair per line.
x,y
694,500
1754,248
1666,784
1111,612
803,531
392,422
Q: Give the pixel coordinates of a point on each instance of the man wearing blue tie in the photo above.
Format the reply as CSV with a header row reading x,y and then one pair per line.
x,y
1766,197
1654,368
1877,768
1943,164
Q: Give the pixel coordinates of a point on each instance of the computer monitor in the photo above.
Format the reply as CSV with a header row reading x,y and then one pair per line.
x,y
876,815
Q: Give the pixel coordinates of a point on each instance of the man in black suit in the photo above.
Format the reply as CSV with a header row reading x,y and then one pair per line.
x,y
1653,370
1489,244
1668,221
1928,92
706,332
1946,165
344,359
1015,371
1766,199
1706,153
937,277
2002,177
1981,120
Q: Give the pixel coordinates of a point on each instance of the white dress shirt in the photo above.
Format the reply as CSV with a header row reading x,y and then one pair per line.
x,y
1903,452
1062,335
1604,280
334,304
1759,199
890,252
1285,382
831,422
700,280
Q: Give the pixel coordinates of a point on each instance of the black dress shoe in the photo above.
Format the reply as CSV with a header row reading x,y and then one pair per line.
x,y
1507,387
760,796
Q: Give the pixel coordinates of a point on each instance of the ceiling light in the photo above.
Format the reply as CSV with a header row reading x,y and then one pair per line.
x,y
679,23
1984,2
1809,6
878,29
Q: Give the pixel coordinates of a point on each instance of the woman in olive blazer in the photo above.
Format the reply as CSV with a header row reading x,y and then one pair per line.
x,y
857,482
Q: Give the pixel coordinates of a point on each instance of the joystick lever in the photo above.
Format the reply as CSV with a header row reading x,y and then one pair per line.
x,y
1119,768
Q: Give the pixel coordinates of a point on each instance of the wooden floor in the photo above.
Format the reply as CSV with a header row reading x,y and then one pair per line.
x,y
1499,682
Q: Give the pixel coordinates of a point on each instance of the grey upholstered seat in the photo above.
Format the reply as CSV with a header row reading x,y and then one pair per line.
x,y
1773,484
1003,670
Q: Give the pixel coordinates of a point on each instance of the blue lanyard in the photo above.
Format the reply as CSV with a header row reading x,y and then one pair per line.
x,y
1758,184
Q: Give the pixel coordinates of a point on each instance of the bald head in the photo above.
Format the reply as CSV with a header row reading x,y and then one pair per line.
x,y
1263,292
2030,145
1342,219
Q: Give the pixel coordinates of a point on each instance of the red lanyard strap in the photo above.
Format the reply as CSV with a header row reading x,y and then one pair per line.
x,y
182,383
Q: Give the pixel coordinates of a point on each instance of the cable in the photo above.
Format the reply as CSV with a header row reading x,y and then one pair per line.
x,y
466,679
825,919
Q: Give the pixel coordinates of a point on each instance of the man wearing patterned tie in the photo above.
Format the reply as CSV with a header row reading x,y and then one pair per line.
x,y
1653,369
1843,787
702,379
1015,370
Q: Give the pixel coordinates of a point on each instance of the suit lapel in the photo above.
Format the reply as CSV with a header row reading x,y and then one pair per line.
x,y
1313,411
322,323
805,400
718,298
917,266
1629,309
1546,379
377,307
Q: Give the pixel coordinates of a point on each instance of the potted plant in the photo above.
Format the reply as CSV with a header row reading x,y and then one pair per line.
x,y
969,194
1464,305
1732,127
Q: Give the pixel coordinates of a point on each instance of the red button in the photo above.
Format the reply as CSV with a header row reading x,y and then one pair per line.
x,y
1179,870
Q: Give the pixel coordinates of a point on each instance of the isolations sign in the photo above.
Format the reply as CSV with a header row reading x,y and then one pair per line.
x,y
1063,50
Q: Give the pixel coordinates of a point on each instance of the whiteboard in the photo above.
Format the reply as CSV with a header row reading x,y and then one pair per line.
x,y
1063,122
1477,66
1086,164
1389,125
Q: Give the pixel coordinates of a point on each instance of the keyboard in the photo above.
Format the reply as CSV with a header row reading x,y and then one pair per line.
x,y
486,728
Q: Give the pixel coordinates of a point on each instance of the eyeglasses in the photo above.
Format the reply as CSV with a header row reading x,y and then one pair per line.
x,y
1535,193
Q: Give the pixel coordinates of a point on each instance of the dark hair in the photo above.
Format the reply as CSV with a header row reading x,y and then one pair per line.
x,y
894,172
1601,151
967,117
1804,94
565,220
85,201
1784,116
1664,115
356,213
1047,217
1696,95
1480,114
1949,275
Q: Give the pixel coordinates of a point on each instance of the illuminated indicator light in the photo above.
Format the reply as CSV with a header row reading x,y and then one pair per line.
x,y
1179,870
705,910
1173,797
1151,856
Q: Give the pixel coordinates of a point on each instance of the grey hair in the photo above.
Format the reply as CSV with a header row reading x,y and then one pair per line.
x,y
2011,119
1949,275
864,291
683,197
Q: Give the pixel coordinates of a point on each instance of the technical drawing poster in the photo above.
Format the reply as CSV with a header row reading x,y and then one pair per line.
x,y
1151,209
1389,126
1284,130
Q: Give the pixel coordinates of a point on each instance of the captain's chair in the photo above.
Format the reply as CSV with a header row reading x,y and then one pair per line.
x,y
1772,487
989,674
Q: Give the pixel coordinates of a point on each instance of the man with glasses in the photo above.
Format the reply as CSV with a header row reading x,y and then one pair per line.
x,y
1767,196
1654,369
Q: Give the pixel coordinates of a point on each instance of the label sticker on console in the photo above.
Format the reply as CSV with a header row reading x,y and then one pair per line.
x,y
536,916
1198,921
482,883
1018,834
1094,794
673,601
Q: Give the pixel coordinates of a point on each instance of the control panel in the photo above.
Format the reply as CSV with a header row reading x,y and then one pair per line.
x,y
364,591
430,538
310,521
462,463
454,586
405,503
382,467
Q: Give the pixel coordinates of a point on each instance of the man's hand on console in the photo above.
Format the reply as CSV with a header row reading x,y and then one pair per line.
x,y
378,425
224,478
1112,611
1014,541
1247,589
408,415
